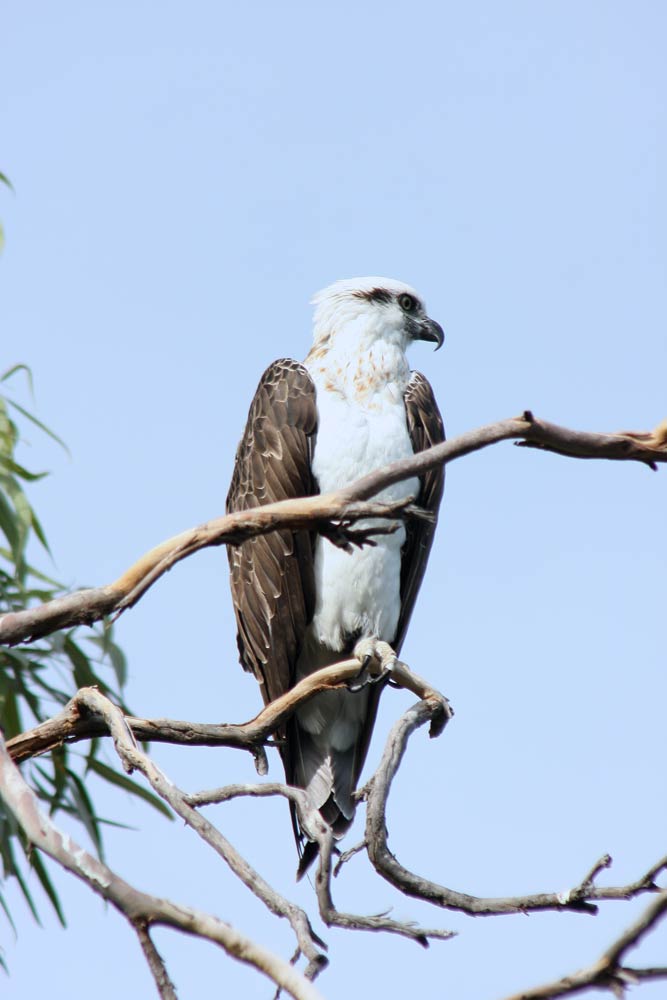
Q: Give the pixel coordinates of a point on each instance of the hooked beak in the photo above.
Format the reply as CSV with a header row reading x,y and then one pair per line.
x,y
431,331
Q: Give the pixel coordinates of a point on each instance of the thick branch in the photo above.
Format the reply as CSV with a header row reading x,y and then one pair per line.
x,y
139,908
79,720
332,514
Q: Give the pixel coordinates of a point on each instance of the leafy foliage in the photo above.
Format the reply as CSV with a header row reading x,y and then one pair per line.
x,y
36,681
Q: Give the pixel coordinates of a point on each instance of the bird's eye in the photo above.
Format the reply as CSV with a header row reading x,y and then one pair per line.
x,y
408,303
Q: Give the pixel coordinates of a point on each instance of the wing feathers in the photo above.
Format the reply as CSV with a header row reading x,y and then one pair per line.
x,y
272,583
426,429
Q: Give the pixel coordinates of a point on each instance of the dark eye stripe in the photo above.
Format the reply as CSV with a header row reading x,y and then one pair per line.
x,y
375,295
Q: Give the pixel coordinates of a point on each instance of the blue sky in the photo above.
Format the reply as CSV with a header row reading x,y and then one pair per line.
x,y
186,178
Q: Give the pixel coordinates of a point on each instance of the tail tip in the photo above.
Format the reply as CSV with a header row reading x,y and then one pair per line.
x,y
310,852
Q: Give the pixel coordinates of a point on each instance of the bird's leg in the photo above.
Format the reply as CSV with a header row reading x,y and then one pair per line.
x,y
377,659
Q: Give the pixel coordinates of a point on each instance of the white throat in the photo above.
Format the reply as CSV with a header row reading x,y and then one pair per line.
x,y
362,356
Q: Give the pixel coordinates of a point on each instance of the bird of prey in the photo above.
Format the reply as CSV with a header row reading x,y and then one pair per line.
x,y
302,603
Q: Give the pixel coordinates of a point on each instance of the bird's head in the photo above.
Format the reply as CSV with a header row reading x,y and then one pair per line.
x,y
355,313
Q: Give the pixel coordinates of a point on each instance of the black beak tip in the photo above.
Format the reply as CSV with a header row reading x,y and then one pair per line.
x,y
428,330
438,334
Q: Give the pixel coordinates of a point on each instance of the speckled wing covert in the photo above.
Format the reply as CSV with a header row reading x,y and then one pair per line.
x,y
425,428
272,581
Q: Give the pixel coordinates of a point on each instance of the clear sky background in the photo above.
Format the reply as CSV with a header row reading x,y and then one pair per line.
x,y
186,176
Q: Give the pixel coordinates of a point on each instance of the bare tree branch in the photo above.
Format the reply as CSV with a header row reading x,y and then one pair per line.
x,y
133,758
80,720
139,908
311,821
332,514
578,899
165,987
88,714
608,972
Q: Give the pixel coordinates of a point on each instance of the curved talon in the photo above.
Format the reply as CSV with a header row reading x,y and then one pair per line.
x,y
365,679
376,658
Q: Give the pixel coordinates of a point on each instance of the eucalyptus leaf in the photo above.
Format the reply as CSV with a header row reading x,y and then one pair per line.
x,y
37,679
122,781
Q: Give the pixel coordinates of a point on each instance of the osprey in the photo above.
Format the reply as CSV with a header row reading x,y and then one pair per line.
x,y
300,602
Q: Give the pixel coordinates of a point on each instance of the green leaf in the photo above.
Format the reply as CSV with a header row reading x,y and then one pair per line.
x,y
20,471
39,531
47,885
122,781
9,918
38,423
20,367
5,180
23,513
10,528
38,676
38,575
11,868
115,654
11,716
84,810
84,675
61,697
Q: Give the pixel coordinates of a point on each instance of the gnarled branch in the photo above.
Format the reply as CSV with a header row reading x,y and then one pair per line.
x,y
311,821
581,898
133,758
140,909
332,514
94,713
79,719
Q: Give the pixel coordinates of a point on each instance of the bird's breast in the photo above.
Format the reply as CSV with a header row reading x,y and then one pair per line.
x,y
358,593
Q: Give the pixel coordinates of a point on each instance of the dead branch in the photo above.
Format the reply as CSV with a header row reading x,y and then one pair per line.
x,y
332,514
165,987
312,822
608,972
140,909
79,720
581,898
133,758
88,713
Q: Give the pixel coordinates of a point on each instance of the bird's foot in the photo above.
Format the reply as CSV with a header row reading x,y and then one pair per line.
x,y
402,676
377,659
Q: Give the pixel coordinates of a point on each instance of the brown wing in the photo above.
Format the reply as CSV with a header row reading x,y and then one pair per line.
x,y
425,428
272,581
